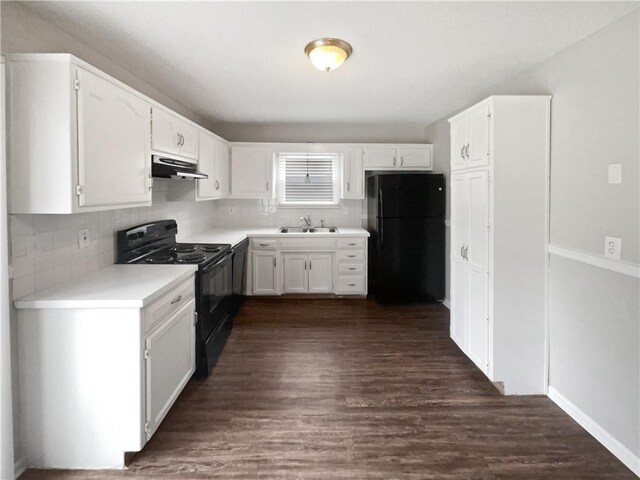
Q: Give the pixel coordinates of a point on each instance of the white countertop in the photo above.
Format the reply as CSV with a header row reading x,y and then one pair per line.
x,y
117,286
236,235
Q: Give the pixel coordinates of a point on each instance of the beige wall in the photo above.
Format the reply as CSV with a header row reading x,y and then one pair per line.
x,y
594,313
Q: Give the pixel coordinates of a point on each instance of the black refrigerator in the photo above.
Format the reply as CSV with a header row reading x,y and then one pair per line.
x,y
406,246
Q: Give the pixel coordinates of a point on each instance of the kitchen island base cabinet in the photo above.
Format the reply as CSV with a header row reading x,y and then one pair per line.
x,y
96,382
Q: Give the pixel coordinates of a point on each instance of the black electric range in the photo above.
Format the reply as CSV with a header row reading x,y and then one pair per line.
x,y
155,243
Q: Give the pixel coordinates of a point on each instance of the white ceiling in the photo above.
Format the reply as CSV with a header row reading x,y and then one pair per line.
x,y
243,62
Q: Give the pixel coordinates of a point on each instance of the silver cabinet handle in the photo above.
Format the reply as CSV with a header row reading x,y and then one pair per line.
x,y
466,150
176,300
351,268
263,244
267,186
462,251
351,284
466,253
182,140
351,256
305,264
348,187
309,264
217,185
394,161
275,262
401,161
179,139
352,244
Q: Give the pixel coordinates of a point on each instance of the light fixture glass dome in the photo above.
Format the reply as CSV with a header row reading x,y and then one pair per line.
x,y
328,53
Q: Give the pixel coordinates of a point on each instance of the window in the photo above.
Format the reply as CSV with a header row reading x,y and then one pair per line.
x,y
309,179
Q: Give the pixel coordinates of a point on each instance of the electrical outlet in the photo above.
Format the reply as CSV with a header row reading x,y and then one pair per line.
x,y
232,210
83,238
612,247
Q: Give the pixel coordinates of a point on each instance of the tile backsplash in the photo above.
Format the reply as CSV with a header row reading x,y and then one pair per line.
x,y
45,251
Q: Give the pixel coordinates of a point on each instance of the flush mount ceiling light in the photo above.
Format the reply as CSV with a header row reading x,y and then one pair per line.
x,y
328,53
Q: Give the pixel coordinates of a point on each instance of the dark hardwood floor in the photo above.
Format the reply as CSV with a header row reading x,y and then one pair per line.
x,y
348,389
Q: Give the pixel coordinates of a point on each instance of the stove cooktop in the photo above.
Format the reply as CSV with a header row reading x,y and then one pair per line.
x,y
185,253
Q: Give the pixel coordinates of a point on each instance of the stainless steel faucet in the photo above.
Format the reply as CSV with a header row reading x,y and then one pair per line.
x,y
306,219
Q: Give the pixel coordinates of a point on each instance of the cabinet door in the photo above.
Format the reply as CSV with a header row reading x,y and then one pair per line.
x,y
353,174
189,144
251,172
459,215
478,136
477,261
459,268
458,143
206,164
414,157
321,273
264,266
170,363
379,157
114,159
222,168
165,132
459,293
294,273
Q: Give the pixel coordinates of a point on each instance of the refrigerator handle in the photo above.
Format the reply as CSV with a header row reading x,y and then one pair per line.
x,y
380,232
380,203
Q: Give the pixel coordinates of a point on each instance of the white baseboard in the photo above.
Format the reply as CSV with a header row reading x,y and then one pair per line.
x,y
19,466
626,456
446,303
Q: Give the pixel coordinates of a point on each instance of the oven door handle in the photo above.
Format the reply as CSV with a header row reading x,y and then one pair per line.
x,y
223,259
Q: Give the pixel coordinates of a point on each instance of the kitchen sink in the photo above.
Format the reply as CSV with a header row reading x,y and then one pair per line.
x,y
308,230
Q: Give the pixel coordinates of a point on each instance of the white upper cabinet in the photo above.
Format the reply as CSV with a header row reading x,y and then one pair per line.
x,y
380,157
394,157
413,157
353,173
470,138
251,171
213,159
111,172
173,135
78,139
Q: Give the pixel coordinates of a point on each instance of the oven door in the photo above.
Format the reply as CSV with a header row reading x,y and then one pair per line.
x,y
216,290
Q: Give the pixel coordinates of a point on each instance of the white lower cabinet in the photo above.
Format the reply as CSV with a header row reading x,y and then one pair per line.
x,y
98,380
295,274
264,273
311,273
308,265
170,362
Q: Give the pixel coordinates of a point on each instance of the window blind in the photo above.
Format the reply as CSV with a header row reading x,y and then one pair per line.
x,y
308,179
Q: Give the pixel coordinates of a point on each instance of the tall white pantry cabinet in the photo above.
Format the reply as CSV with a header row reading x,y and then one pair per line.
x,y
499,233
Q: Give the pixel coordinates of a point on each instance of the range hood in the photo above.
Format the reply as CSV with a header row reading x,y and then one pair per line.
x,y
167,167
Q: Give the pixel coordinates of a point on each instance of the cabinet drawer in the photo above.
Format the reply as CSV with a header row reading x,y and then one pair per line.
x,y
351,284
352,243
351,268
351,256
168,304
264,244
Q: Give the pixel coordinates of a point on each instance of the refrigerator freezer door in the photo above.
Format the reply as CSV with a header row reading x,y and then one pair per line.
x,y
409,263
409,196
